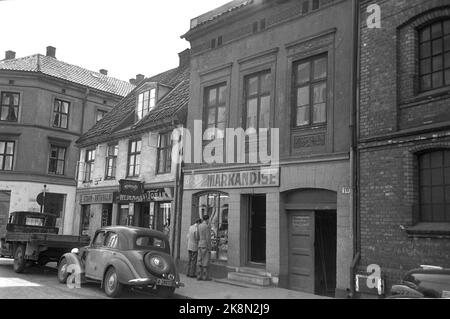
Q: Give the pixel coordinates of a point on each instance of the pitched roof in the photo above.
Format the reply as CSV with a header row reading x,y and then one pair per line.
x,y
218,12
43,64
177,78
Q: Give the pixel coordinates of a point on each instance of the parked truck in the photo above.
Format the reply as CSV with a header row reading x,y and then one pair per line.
x,y
32,238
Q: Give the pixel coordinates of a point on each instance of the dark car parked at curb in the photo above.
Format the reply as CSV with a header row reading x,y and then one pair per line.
x,y
124,256
424,282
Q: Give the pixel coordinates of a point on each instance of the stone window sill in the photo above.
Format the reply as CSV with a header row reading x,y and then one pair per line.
x,y
429,230
426,97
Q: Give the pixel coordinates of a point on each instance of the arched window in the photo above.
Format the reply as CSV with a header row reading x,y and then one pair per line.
x,y
434,184
215,205
434,55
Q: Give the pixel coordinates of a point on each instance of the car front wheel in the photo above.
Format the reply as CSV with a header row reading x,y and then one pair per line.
x,y
19,259
111,284
165,292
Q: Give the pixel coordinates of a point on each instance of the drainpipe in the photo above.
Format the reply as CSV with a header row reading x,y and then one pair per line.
x,y
354,144
86,94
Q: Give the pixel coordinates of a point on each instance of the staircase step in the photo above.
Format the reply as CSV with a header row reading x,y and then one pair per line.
x,y
257,280
238,284
253,271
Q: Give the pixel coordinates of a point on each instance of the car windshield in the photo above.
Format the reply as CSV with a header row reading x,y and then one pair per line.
x,y
149,242
433,285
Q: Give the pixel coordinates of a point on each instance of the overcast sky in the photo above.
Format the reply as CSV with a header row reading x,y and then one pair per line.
x,y
126,37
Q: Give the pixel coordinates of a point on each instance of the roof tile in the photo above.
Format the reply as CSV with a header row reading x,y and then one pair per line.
x,y
43,64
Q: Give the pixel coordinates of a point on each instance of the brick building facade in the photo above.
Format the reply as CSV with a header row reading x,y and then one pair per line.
x,y
404,137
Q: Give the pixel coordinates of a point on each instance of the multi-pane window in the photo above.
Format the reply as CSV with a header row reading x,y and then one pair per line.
x,y
164,153
258,89
6,155
57,160
146,102
100,114
215,109
134,158
60,113
434,54
111,161
89,165
9,111
434,183
310,91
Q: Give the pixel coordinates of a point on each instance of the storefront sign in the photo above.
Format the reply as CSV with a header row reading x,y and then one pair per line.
x,y
241,179
157,195
131,188
96,199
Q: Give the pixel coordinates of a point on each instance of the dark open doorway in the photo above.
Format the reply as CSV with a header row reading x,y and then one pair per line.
x,y
325,252
257,229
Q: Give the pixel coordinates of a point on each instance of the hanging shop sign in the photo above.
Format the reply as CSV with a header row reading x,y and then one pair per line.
x,y
154,195
239,179
105,198
131,188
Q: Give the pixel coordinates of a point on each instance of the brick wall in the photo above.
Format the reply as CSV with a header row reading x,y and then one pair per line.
x,y
392,121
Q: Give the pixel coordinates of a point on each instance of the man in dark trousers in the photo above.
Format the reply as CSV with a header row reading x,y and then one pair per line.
x,y
192,245
204,249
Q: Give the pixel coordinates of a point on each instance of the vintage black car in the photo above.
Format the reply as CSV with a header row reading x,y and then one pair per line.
x,y
423,282
124,256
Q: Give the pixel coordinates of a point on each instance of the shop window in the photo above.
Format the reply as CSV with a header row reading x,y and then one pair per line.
x,y
85,219
434,55
61,114
434,184
310,92
7,149
215,205
134,158
9,111
57,160
111,161
164,213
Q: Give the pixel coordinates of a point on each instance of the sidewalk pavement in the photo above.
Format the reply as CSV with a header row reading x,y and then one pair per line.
x,y
216,290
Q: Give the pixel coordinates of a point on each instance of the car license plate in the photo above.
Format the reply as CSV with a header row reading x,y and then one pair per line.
x,y
163,282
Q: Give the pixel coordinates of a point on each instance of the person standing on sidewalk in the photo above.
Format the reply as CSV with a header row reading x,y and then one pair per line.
x,y
204,249
192,243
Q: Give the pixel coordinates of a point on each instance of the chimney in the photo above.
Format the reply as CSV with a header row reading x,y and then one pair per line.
x,y
51,52
133,81
140,78
185,57
104,72
10,55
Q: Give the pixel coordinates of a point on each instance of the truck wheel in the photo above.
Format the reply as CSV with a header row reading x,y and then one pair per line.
x,y
19,259
113,288
62,271
165,292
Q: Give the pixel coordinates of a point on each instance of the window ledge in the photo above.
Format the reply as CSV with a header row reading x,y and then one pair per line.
x,y
429,230
427,96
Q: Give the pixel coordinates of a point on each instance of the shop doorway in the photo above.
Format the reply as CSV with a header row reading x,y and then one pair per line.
x,y
107,215
312,251
257,229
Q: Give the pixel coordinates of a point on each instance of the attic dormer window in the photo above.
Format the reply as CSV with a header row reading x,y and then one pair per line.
x,y
146,102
